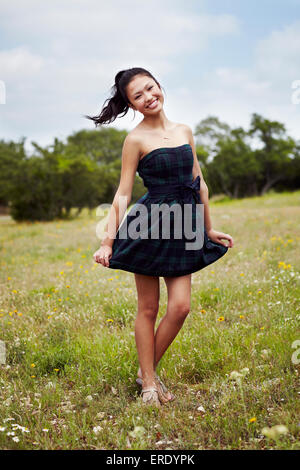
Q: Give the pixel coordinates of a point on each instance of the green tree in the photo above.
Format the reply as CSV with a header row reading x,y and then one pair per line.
x,y
275,156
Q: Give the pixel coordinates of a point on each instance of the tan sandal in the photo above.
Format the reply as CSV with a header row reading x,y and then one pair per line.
x,y
162,389
152,399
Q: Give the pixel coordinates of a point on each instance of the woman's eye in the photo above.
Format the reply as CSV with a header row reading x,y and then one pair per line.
x,y
140,95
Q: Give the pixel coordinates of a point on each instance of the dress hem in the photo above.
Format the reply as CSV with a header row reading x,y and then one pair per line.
x,y
125,267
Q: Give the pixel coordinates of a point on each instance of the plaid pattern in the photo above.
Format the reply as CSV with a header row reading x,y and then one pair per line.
x,y
165,171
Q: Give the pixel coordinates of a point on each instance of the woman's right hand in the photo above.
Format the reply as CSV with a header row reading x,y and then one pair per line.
x,y
103,255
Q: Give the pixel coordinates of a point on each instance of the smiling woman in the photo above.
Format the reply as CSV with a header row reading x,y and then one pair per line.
x,y
172,176
119,103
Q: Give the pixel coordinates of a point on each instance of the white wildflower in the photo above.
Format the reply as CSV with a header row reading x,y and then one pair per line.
x,y
275,431
265,353
235,375
97,429
138,431
200,408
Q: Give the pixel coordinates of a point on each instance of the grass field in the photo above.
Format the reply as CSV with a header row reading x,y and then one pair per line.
x,y
67,323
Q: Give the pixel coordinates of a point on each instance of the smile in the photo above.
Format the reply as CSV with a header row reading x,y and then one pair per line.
x,y
153,104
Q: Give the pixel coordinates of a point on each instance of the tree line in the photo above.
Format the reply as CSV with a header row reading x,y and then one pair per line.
x,y
85,171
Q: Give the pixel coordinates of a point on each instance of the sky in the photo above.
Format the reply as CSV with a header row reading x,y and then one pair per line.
x,y
224,58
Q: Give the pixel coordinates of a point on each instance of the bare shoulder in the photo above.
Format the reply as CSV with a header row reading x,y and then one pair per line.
x,y
131,145
133,140
185,129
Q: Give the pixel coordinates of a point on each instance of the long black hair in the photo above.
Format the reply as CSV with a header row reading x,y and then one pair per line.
x,y
119,102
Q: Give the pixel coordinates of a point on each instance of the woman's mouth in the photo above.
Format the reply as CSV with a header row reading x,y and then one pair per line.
x,y
153,104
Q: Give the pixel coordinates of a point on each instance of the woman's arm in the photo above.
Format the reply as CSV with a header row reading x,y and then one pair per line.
x,y
204,196
203,186
130,160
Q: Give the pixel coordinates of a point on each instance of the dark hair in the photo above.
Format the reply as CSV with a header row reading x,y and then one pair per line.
x,y
119,102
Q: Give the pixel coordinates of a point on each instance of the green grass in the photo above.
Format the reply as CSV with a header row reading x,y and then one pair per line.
x,y
71,360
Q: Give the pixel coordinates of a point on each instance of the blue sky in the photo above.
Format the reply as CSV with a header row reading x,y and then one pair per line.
x,y
227,58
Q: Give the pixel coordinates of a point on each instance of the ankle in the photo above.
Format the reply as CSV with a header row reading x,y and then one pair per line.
x,y
149,383
149,376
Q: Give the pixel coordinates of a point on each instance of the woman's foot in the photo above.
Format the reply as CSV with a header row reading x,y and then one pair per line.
x,y
150,396
164,394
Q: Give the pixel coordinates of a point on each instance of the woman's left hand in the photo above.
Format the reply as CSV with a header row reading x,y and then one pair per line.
x,y
217,237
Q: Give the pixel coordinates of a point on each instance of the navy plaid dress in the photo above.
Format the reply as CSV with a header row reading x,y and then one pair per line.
x,y
167,174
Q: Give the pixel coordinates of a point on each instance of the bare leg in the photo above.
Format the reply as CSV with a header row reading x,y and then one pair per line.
x,y
179,300
148,306
179,295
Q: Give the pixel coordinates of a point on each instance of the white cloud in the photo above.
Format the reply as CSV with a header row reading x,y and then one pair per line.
x,y
20,62
278,56
66,54
265,86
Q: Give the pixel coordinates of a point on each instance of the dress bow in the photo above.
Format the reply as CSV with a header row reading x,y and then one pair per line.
x,y
188,189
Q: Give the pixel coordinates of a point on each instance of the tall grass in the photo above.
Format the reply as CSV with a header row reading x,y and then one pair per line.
x,y
71,363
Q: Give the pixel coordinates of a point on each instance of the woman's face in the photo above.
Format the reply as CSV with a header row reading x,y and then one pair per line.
x,y
143,91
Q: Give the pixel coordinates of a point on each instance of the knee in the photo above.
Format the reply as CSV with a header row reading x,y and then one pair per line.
x,y
179,311
148,311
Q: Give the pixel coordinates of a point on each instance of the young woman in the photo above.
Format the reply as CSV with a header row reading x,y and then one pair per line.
x,y
163,153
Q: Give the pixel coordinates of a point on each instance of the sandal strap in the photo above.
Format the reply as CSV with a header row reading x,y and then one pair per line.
x,y
165,390
161,383
149,389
